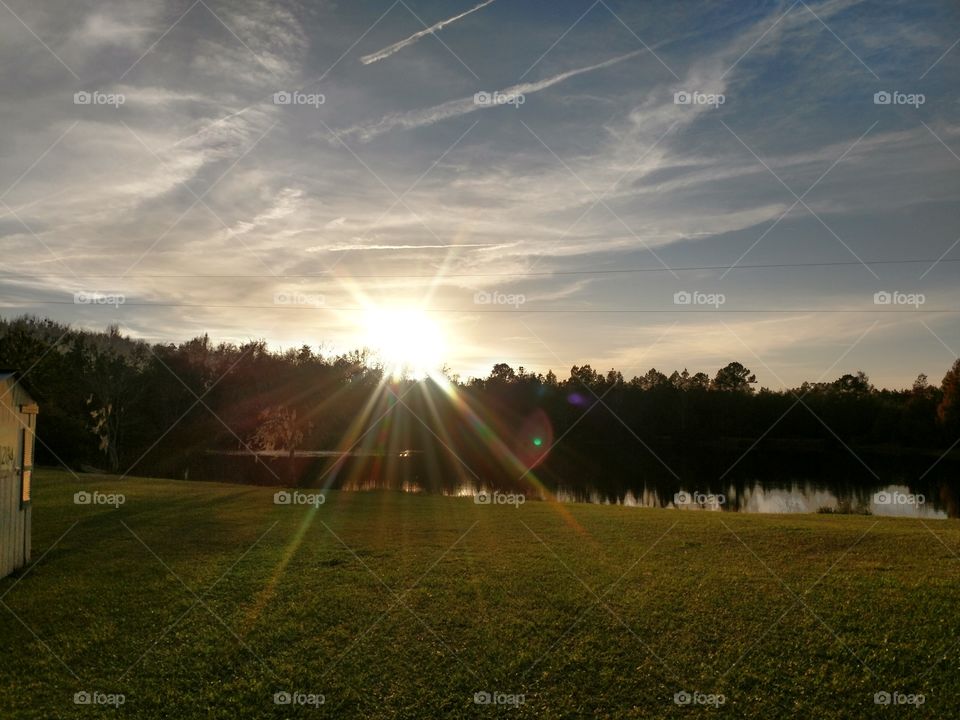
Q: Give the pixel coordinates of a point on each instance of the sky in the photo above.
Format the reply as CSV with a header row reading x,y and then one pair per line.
x,y
625,184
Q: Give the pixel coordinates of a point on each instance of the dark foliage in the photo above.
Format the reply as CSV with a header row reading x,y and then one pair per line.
x,y
112,402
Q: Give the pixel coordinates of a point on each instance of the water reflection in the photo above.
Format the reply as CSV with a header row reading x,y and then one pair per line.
x,y
886,500
702,481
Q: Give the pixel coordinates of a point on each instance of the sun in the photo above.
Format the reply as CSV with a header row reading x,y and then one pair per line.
x,y
406,340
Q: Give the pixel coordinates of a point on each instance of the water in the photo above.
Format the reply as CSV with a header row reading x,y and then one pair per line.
x,y
701,479
883,500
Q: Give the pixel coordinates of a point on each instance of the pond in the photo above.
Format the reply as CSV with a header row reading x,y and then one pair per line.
x,y
698,479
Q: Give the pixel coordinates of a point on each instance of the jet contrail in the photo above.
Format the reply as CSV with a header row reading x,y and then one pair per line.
x,y
454,108
388,51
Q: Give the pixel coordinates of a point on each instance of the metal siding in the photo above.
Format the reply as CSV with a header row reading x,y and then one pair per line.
x,y
7,557
15,522
17,515
6,526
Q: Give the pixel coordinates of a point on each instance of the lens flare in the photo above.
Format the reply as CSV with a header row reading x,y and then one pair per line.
x,y
534,439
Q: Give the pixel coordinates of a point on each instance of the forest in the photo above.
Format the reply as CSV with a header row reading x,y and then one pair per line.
x,y
117,404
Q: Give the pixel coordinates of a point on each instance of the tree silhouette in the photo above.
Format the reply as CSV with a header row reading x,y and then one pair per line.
x,y
140,400
734,377
948,411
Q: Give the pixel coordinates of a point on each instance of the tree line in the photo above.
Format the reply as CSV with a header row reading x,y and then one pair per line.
x,y
112,402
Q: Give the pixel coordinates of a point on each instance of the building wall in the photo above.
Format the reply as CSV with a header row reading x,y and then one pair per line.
x,y
14,516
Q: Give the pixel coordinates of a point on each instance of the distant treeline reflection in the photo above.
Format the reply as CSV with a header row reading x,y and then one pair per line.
x,y
767,479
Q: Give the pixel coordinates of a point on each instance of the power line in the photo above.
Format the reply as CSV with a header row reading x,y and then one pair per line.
x,y
546,273
511,309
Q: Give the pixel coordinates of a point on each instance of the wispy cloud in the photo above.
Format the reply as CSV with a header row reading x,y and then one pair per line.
x,y
358,246
462,106
397,46
499,210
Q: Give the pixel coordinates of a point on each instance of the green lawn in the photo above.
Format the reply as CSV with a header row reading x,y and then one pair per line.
x,y
203,600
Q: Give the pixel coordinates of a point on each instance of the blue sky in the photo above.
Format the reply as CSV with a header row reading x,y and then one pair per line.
x,y
400,190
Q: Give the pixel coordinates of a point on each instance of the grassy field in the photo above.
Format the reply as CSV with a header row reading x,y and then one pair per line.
x,y
198,600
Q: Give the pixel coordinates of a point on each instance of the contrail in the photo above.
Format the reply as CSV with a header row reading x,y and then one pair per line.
x,y
388,51
454,108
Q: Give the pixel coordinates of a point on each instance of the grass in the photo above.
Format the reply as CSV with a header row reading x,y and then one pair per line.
x,y
200,600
